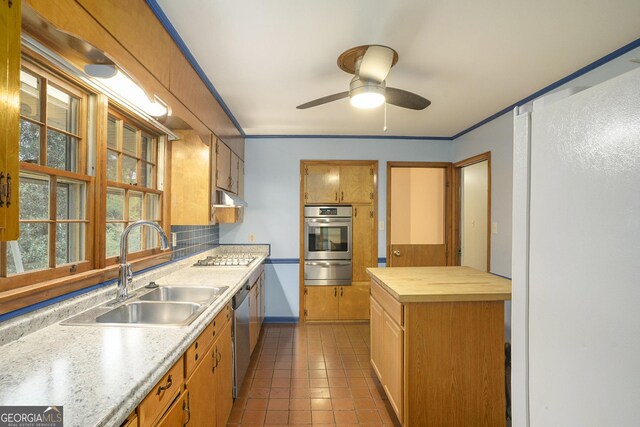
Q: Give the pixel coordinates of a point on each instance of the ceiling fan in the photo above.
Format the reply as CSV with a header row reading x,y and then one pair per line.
x,y
371,64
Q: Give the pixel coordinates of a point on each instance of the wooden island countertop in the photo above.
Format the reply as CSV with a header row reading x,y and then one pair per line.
x,y
440,284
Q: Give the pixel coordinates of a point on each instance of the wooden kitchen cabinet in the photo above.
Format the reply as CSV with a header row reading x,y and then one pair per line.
x,y
337,302
156,403
364,232
440,362
338,183
234,173
224,376
202,388
10,19
223,164
191,166
178,414
254,326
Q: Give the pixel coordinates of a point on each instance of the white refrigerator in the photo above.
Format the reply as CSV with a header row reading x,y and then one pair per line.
x,y
576,259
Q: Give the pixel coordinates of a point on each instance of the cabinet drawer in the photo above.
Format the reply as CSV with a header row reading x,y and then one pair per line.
x,y
162,395
196,351
388,303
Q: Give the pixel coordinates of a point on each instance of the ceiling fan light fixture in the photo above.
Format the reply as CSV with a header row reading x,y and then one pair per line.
x,y
366,95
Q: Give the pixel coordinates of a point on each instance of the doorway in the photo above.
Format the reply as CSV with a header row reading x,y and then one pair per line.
x,y
473,212
418,214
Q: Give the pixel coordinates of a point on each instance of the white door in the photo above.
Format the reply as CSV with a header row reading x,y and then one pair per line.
x,y
583,247
474,199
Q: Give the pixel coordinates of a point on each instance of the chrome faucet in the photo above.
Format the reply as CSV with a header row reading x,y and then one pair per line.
x,y
126,275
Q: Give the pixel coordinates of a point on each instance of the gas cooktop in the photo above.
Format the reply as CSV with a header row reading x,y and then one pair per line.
x,y
226,260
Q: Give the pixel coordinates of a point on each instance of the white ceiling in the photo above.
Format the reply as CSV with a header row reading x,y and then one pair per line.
x,y
470,58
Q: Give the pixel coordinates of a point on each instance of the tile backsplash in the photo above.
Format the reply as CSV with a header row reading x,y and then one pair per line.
x,y
191,239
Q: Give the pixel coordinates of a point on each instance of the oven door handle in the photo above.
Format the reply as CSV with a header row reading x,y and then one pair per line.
x,y
327,263
328,220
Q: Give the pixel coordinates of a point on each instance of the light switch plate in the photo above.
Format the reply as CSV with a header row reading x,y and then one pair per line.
x,y
380,225
494,228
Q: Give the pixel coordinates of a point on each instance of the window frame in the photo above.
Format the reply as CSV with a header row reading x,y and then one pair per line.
x,y
24,289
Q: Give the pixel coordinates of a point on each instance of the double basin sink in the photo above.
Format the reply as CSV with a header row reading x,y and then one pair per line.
x,y
167,306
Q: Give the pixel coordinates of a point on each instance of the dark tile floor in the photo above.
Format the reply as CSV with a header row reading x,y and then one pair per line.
x,y
312,374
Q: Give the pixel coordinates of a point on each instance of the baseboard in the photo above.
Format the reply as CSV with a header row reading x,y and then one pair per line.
x,y
281,319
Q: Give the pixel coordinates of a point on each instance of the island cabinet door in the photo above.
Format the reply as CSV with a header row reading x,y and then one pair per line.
x,y
376,328
202,390
224,375
393,362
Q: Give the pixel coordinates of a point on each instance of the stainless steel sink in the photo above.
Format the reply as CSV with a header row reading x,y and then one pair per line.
x,y
199,294
152,313
166,306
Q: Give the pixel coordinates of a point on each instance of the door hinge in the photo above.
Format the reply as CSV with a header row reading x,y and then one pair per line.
x,y
216,148
447,184
306,171
305,292
371,196
371,214
371,170
306,196
306,313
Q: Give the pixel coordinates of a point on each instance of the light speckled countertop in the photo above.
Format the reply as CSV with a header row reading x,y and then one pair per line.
x,y
100,373
434,284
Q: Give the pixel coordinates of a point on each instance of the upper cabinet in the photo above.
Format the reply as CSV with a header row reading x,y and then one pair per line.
x,y
230,170
9,117
331,183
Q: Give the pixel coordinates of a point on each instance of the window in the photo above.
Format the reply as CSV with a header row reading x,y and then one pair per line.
x,y
53,181
132,180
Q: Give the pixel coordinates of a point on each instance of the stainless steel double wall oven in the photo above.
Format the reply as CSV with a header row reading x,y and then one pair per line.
x,y
328,245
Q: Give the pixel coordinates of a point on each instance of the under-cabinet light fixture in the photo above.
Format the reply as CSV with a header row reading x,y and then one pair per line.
x,y
123,86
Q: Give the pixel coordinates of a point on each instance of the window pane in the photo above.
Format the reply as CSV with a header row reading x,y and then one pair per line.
x,y
62,110
112,166
29,142
70,200
114,231
147,148
112,133
152,207
31,251
70,240
146,177
129,140
135,206
34,197
152,238
62,151
115,204
129,170
29,95
135,240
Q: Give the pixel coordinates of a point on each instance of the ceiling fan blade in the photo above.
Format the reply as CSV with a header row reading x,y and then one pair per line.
x,y
376,63
402,98
323,100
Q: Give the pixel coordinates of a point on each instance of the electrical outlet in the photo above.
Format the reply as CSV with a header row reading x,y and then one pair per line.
x,y
494,228
252,237
174,238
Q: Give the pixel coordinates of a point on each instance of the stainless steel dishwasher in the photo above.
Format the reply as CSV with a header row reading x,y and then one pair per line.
x,y
241,343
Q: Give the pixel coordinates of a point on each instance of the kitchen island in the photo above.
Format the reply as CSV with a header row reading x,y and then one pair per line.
x,y
437,344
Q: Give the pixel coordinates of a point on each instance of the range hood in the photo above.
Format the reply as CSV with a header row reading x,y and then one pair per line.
x,y
224,199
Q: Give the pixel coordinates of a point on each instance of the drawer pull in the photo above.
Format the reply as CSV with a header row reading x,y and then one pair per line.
x,y
165,387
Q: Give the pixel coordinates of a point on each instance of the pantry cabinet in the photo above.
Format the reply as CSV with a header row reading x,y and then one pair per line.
x,y
337,302
10,19
364,233
331,183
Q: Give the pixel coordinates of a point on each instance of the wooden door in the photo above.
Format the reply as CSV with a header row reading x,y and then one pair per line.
x,y
223,165
224,375
393,342
419,215
362,249
322,183
354,301
321,302
202,391
234,173
376,330
10,19
356,184
177,415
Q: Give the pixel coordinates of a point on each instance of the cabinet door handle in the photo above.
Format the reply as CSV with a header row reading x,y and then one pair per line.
x,y
213,357
396,253
218,357
166,386
341,291
342,196
9,190
335,292
187,409
3,189
336,196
